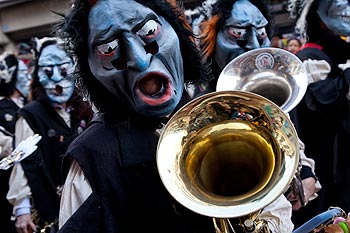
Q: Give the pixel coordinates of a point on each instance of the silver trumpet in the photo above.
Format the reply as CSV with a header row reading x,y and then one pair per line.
x,y
274,73
279,76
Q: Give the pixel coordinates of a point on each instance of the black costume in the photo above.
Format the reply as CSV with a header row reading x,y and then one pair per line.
x,y
8,111
128,195
43,168
323,124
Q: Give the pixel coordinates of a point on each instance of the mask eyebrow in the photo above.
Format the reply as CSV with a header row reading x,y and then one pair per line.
x,y
100,37
52,65
140,25
238,27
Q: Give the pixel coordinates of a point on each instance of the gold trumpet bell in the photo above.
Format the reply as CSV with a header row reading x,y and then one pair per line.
x,y
228,154
274,73
221,155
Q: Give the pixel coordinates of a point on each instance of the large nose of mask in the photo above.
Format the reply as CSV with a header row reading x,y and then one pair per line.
x,y
57,75
252,40
137,57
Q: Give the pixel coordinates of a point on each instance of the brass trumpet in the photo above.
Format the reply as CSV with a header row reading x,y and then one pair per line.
x,y
276,74
227,155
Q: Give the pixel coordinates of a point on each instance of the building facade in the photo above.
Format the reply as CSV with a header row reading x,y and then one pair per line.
x,y
21,20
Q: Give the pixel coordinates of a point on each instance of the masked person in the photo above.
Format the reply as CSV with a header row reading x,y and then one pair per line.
x,y
231,29
15,85
322,117
11,101
134,58
24,78
35,182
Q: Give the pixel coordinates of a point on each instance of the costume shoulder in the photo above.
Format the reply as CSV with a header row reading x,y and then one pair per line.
x,y
95,139
313,53
42,117
8,110
112,147
96,147
33,110
7,103
34,105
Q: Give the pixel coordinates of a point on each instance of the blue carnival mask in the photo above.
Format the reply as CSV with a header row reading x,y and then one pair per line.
x,y
335,14
244,30
136,55
55,67
23,79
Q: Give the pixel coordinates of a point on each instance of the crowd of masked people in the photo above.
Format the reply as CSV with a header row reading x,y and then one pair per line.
x,y
38,96
101,88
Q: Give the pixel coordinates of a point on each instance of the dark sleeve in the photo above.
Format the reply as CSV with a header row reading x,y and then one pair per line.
x,y
87,218
306,172
329,95
346,74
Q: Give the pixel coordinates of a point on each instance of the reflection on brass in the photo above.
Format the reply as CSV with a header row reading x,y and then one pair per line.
x,y
227,155
43,227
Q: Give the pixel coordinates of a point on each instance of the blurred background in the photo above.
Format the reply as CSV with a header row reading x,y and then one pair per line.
x,y
21,20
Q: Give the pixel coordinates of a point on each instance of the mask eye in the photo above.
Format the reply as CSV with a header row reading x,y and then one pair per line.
x,y
48,70
108,49
64,69
149,30
261,33
236,32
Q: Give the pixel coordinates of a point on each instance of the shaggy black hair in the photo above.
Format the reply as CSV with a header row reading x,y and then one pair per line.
x,y
313,22
74,29
7,89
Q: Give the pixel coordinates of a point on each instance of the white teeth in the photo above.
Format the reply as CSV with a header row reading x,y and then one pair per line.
x,y
54,87
345,18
